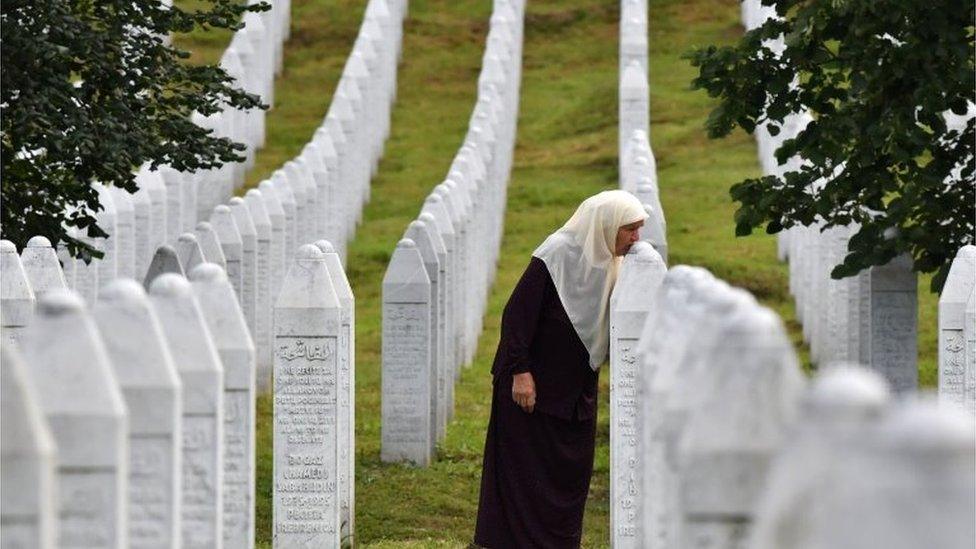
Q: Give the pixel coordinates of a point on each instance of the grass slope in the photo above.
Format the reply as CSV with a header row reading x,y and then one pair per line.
x,y
566,151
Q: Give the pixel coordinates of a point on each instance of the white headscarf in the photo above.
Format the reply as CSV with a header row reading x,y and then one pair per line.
x,y
581,261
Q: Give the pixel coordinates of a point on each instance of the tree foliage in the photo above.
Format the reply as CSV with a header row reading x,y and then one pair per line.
x,y
878,79
91,90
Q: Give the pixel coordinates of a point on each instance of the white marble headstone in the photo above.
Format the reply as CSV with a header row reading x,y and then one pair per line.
x,y
419,233
249,265
153,395
307,328
126,232
891,342
909,483
227,325
16,296
748,389
281,236
263,310
347,389
88,418
210,244
232,246
42,267
28,461
108,220
407,378
189,251
633,298
953,366
202,375
165,260
843,402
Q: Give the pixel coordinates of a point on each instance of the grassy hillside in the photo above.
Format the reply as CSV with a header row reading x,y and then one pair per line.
x,y
566,151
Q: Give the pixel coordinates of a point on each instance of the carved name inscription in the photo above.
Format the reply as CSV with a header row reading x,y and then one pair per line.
x,y
305,490
248,289
952,378
345,415
150,491
234,275
237,449
87,513
407,379
894,339
625,466
200,462
262,318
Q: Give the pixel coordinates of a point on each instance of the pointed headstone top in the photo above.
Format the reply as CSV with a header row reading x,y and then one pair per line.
x,y
165,260
308,284
220,308
189,251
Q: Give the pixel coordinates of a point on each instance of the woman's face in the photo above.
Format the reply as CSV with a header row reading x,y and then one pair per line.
x,y
627,236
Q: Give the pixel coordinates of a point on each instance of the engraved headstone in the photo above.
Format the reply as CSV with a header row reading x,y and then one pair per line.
x,y
108,221
189,251
434,205
654,232
67,262
419,233
908,483
302,185
633,298
86,274
232,246
843,402
28,461
263,310
891,340
210,245
281,236
202,375
225,319
347,389
173,181
87,416
280,191
969,332
307,329
690,297
143,219
151,183
953,366
165,260
125,232
407,378
454,334
744,396
634,114
249,266
16,296
152,391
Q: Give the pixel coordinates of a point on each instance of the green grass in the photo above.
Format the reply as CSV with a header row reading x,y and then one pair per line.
x,y
566,151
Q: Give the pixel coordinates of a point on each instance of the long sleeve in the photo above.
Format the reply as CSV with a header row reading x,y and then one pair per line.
x,y
520,321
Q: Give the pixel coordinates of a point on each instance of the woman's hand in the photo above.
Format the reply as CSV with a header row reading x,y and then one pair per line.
x,y
523,391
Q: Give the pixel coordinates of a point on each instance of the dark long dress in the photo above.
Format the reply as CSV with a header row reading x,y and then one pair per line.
x,y
537,467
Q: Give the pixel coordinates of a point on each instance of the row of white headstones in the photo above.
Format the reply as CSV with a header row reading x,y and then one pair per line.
x,y
719,440
169,202
436,285
246,247
132,424
705,437
870,318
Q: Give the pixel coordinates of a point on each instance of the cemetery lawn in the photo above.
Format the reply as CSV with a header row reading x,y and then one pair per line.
x,y
566,151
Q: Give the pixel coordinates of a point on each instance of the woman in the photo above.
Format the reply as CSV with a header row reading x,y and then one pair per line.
x,y
555,335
